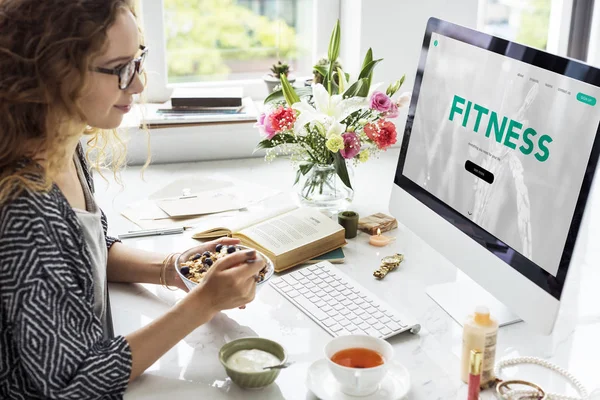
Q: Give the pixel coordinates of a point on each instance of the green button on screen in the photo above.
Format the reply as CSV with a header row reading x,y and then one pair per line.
x,y
587,99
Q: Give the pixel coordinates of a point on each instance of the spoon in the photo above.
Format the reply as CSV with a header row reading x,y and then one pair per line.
x,y
280,366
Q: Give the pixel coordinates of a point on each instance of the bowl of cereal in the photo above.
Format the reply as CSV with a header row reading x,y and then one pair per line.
x,y
192,266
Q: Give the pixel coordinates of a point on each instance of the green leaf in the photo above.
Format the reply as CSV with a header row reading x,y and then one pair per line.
x,y
288,91
368,58
264,144
297,177
340,167
321,70
278,95
367,71
334,43
358,88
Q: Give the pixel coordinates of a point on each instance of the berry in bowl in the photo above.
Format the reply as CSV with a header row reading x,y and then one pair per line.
x,y
192,266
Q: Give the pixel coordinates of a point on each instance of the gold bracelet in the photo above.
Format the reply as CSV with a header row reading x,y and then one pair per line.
x,y
162,277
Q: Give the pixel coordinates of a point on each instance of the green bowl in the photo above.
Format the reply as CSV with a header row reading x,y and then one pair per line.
x,y
252,380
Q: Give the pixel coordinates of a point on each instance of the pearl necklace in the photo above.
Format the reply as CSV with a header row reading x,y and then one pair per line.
x,y
538,361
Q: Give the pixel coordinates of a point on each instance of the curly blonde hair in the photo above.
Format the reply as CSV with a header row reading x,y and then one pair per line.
x,y
46,49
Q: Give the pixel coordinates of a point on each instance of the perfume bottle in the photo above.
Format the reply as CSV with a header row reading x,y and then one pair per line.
x,y
475,362
480,333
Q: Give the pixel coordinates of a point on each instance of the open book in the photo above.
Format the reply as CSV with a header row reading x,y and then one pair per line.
x,y
288,236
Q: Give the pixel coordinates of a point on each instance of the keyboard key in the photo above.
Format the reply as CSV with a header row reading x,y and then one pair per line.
x,y
293,293
289,279
310,285
379,326
364,326
360,312
378,315
384,320
339,307
332,312
304,291
327,299
339,297
393,326
373,332
339,317
346,302
336,328
311,296
352,307
345,312
353,328
325,307
346,292
344,322
298,286
313,268
343,332
329,322
364,305
305,272
310,307
386,331
316,281
320,303
356,320
371,310
352,296
371,321
329,279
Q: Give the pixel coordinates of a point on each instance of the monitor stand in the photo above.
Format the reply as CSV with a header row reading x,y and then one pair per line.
x,y
460,298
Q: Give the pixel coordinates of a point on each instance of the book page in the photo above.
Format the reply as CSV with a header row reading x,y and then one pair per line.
x,y
292,230
237,220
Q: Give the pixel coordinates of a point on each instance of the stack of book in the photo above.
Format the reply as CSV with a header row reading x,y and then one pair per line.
x,y
201,105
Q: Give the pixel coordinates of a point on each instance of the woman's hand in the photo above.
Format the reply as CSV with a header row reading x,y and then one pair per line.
x,y
172,278
229,283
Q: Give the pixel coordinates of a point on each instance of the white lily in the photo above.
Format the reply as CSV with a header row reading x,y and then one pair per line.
x,y
328,110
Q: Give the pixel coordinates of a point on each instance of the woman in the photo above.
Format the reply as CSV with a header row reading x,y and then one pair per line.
x,y
69,67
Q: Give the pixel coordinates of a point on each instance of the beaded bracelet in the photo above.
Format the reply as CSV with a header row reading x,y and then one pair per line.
x,y
162,278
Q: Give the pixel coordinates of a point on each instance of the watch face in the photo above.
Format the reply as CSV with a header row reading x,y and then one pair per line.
x,y
395,259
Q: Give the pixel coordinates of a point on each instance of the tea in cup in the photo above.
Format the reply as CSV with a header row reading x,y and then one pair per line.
x,y
358,362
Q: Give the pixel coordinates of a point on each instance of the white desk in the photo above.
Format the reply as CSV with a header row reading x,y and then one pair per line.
x,y
192,370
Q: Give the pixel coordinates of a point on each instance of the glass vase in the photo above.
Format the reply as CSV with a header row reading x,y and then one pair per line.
x,y
322,188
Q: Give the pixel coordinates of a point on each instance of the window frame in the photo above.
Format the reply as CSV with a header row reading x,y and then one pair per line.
x,y
158,90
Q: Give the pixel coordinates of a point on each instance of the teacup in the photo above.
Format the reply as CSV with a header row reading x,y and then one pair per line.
x,y
359,381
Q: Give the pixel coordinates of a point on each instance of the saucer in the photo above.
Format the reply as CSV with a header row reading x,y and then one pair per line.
x,y
321,382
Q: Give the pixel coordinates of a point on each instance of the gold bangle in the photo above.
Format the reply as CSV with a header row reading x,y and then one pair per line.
x,y
503,388
162,277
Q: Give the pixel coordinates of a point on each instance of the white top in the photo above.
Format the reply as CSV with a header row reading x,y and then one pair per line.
x,y
91,227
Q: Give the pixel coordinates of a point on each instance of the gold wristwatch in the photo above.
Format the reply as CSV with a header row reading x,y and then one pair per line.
x,y
388,263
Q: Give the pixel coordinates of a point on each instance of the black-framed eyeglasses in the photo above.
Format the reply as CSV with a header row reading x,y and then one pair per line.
x,y
126,72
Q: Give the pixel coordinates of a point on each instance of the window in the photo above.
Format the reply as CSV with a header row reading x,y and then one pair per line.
x,y
233,42
523,21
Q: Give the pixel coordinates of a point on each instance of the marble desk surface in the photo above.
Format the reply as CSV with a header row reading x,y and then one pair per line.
x,y
191,369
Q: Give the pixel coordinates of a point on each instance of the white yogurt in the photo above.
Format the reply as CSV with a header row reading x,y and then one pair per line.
x,y
252,360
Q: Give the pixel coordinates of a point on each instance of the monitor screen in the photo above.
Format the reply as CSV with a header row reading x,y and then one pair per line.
x,y
501,141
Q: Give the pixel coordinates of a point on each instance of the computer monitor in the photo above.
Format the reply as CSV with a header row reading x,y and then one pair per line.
x,y
498,156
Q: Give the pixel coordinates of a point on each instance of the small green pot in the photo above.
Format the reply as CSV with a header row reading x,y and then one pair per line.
x,y
252,380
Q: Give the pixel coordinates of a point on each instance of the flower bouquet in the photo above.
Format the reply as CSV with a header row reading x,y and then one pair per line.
x,y
324,126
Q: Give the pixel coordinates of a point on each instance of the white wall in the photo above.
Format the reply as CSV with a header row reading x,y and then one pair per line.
x,y
393,28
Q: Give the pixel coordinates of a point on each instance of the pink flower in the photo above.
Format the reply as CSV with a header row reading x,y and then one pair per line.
x,y
283,119
383,133
380,102
351,145
392,112
265,126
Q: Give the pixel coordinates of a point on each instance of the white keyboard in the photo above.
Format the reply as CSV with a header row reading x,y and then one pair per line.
x,y
341,305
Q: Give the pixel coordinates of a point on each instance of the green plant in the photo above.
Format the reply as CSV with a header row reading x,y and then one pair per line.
x,y
322,66
280,68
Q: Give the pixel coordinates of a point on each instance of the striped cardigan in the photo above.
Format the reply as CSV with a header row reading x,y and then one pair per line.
x,y
51,342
